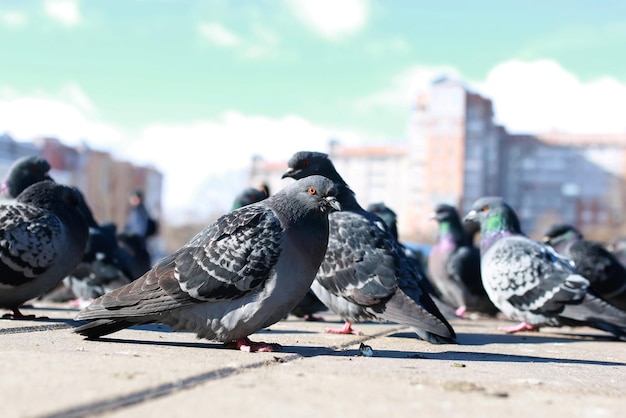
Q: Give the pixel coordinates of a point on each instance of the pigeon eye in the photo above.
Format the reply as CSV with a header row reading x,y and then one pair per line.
x,y
312,190
305,164
485,208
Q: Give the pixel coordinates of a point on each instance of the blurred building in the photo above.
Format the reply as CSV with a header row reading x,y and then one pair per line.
x,y
105,182
455,153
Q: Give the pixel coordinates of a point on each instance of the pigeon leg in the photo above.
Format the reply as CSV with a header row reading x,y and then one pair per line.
x,y
461,311
244,344
522,326
18,315
347,329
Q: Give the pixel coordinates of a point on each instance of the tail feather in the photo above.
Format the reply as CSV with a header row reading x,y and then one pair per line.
x,y
100,327
597,313
429,326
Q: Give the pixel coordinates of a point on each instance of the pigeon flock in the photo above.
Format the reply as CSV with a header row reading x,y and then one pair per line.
x,y
307,248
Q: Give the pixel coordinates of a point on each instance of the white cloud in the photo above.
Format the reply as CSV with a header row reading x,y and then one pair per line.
x,y
68,114
218,34
191,155
541,95
13,19
330,18
261,42
64,11
213,148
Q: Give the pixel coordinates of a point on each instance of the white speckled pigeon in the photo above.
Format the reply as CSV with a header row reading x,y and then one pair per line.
x,y
530,282
454,265
606,275
243,273
366,275
42,238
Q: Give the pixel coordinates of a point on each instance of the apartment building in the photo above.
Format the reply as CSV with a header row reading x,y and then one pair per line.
x,y
105,182
455,153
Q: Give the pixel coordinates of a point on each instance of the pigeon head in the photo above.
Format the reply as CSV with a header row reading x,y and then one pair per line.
x,y
561,233
24,172
444,212
493,215
388,216
248,196
316,190
306,163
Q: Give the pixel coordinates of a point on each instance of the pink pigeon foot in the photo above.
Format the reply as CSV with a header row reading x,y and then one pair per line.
x,y
523,326
461,311
244,344
346,329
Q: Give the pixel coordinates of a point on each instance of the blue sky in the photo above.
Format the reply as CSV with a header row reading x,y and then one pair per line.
x,y
139,77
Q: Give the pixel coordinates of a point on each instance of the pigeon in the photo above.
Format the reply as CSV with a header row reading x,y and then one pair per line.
x,y
22,173
530,282
390,218
606,275
454,265
248,196
128,256
310,304
242,273
42,238
365,274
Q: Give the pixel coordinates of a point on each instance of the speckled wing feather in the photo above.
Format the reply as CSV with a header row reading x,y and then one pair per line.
x,y
28,243
360,263
531,277
227,260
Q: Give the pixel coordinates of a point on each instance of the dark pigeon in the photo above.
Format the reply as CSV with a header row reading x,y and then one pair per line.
x,y
530,282
42,238
247,197
365,274
606,275
24,172
454,265
129,257
390,218
241,274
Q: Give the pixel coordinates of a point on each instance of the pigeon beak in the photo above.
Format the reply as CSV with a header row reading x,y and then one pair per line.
x,y
333,203
432,216
288,173
471,216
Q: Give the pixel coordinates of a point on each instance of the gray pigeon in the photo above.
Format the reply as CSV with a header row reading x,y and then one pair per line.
x,y
365,274
529,282
454,265
243,273
606,275
42,238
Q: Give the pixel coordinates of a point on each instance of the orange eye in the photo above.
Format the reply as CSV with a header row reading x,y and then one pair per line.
x,y
305,164
485,208
312,190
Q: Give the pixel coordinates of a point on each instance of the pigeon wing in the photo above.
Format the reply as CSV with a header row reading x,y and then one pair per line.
x,y
227,260
29,239
360,263
532,277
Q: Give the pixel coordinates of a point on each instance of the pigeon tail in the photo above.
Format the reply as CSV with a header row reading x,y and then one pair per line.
x,y
428,326
597,313
101,327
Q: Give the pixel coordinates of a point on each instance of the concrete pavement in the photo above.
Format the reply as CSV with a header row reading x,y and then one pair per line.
x,y
48,371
